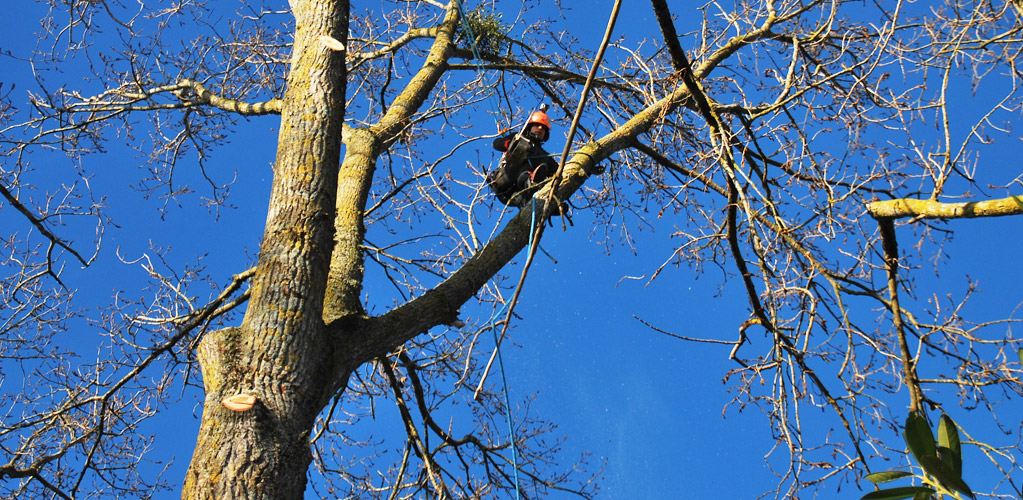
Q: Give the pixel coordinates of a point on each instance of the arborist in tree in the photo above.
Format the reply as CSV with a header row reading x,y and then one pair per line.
x,y
525,163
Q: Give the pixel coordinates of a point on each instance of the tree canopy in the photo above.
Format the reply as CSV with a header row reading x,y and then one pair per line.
x,y
811,157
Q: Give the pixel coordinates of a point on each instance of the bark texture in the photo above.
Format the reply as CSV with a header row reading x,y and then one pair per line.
x,y
363,147
280,354
931,209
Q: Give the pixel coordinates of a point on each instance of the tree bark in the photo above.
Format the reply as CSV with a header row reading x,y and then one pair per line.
x,y
931,209
363,146
281,353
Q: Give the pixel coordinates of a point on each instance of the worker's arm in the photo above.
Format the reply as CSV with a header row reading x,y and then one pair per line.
x,y
501,143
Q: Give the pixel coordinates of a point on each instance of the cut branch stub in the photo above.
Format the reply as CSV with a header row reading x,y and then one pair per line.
x,y
239,402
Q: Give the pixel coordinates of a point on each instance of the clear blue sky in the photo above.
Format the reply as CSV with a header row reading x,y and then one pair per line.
x,y
648,405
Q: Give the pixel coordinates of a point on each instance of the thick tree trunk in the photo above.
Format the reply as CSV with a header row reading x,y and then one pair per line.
x,y
281,353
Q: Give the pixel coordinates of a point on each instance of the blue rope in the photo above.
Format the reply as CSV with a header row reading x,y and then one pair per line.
x,y
504,378
508,413
491,95
497,344
478,62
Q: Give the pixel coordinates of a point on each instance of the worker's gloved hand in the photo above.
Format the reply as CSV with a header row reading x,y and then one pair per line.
x,y
518,150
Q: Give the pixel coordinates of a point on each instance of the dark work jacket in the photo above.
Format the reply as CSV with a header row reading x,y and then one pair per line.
x,y
509,179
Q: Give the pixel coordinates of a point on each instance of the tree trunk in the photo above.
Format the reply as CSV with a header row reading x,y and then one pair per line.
x,y
281,353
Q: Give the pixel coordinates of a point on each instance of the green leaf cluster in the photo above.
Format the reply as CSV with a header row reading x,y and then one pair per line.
x,y
940,459
490,34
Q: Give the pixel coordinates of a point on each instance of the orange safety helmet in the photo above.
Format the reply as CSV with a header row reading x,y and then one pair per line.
x,y
540,118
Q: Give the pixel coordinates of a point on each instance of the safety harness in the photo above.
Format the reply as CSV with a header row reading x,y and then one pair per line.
x,y
517,152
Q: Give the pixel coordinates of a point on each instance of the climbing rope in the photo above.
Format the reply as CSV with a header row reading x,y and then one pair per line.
x,y
536,230
495,112
507,403
478,62
504,382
